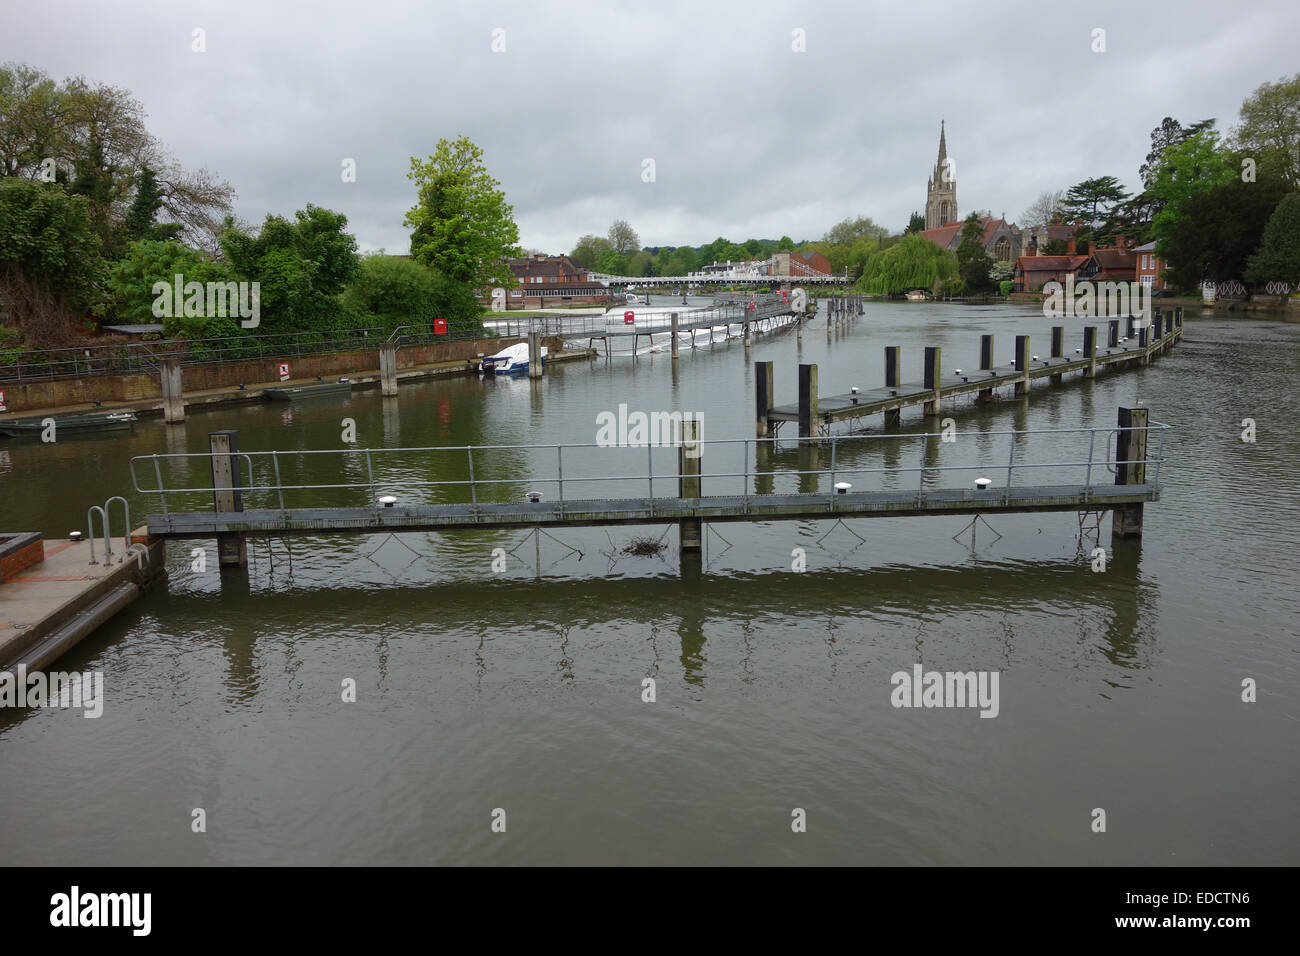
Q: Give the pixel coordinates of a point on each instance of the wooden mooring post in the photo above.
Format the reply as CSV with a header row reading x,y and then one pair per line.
x,y
1090,350
676,345
807,401
986,363
893,355
535,366
1058,349
689,530
1112,334
763,380
1022,365
933,378
224,446
1130,468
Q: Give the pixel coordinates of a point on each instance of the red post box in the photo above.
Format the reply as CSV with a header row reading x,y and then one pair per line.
x,y
439,326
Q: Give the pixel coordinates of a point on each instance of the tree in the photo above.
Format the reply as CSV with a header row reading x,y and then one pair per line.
x,y
1218,229
623,238
1054,247
611,262
1278,258
50,266
1269,131
1195,165
131,281
1047,208
1093,200
973,260
849,230
913,263
588,249
302,266
785,244
462,225
139,223
391,291
1169,133
95,139
915,224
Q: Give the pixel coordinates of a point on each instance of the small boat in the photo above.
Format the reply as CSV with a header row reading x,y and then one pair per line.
x,y
93,422
298,393
509,360
916,295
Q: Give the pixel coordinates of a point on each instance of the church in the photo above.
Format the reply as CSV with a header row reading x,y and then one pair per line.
x,y
943,223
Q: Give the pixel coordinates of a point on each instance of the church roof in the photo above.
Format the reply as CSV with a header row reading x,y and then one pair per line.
x,y
1051,263
949,236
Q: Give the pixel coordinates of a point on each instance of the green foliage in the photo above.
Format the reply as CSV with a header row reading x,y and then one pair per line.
x,y
973,260
48,238
623,238
1269,131
1195,165
1278,258
391,291
915,224
1054,247
1096,202
131,279
913,263
1217,231
612,262
463,226
586,253
302,267
1005,286
1001,271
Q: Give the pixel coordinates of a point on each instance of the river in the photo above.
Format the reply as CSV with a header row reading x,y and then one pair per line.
x,y
522,690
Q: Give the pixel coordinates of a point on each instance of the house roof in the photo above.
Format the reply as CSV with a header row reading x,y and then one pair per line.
x,y
945,236
1149,247
1115,259
1051,263
544,266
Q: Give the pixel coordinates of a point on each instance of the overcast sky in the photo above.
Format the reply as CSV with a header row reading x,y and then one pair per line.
x,y
748,137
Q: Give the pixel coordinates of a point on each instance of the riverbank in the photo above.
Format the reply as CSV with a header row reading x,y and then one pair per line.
x,y
239,382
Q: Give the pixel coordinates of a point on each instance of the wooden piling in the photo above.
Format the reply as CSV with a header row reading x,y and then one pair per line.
x,y
933,381
1143,339
893,353
224,446
807,401
1058,349
1112,334
1131,327
673,329
388,368
986,363
690,530
763,398
1022,365
172,390
1090,350
1130,468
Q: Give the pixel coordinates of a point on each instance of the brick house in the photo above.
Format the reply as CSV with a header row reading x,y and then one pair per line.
x,y
542,278
1150,268
1112,264
799,264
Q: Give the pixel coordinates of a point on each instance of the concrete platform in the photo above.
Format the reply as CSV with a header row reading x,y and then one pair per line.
x,y
54,605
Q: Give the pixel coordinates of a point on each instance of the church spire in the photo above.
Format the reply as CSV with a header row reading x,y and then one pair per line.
x,y
943,145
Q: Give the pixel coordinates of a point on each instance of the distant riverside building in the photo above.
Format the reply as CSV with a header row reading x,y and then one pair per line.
x,y
543,278
795,264
1116,263
1150,268
1001,239
941,190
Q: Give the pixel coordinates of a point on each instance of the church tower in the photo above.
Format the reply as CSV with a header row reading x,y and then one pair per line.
x,y
941,190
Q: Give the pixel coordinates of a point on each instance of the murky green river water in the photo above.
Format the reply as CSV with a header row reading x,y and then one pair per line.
x,y
522,690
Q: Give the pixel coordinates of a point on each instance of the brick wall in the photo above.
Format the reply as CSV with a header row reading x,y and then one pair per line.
x,y
15,560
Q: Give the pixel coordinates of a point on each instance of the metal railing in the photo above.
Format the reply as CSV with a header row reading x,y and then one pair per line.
x,y
405,470
147,357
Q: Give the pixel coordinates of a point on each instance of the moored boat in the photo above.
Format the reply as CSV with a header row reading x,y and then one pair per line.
x,y
92,422
512,359
297,393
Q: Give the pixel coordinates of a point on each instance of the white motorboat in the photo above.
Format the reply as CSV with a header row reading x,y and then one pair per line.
x,y
510,360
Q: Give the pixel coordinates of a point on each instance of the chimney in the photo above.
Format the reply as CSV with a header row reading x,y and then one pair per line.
x,y
1092,247
1071,247
1121,242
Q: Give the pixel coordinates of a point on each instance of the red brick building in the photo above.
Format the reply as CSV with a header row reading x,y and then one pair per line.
x,y
551,280
1150,268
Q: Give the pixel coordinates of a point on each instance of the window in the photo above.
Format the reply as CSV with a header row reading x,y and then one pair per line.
x,y
1002,249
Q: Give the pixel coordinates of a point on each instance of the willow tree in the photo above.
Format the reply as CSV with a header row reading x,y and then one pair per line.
x,y
914,263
